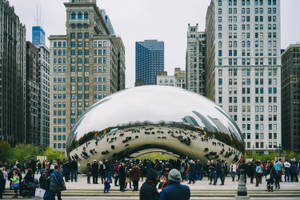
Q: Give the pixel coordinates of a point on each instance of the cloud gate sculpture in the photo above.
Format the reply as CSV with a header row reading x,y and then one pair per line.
x,y
130,122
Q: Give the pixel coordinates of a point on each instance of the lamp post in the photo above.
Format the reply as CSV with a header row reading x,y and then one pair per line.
x,y
242,189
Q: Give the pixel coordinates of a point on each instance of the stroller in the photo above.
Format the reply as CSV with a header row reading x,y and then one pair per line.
x,y
27,189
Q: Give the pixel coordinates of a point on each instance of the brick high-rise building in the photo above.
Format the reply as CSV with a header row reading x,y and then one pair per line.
x,y
87,64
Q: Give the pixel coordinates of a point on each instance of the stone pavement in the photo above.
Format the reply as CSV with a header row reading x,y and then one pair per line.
x,y
199,185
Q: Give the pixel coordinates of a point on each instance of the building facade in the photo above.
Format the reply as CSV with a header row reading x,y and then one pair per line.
x,y
38,35
195,60
177,80
86,65
44,67
244,67
12,76
290,98
149,61
33,101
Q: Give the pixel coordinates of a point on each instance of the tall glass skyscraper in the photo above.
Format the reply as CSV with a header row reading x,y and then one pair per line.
x,y
38,35
149,60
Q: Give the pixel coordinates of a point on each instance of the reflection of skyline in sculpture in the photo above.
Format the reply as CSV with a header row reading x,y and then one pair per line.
x,y
168,118
219,125
207,125
190,120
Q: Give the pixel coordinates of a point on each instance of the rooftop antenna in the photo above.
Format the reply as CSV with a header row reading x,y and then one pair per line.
x,y
38,15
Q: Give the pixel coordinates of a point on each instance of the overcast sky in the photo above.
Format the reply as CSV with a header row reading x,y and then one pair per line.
x,y
137,20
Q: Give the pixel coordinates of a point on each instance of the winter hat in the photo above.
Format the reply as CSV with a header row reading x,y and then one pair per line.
x,y
175,176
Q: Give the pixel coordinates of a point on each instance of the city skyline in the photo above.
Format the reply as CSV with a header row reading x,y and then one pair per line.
x,y
171,29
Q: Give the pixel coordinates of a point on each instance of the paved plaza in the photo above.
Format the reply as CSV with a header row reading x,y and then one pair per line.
x,y
200,190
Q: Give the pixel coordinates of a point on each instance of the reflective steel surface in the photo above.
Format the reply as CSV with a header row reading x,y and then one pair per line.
x,y
150,105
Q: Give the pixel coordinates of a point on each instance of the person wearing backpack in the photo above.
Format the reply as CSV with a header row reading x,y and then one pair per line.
x,y
259,172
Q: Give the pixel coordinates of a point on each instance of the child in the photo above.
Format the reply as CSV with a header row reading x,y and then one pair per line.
x,y
106,185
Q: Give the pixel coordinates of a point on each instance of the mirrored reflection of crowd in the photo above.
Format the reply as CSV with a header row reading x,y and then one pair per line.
x,y
161,178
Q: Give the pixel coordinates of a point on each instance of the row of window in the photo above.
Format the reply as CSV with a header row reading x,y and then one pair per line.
x,y
59,69
79,35
246,61
260,136
59,145
59,137
247,11
80,87
59,79
59,130
59,60
100,87
79,60
80,15
247,2
59,44
59,104
271,127
247,19
80,44
59,52
59,112
59,96
59,88
79,104
100,69
80,52
59,120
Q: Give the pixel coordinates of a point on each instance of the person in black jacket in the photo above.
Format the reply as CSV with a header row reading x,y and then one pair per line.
x,y
122,177
45,183
148,190
66,170
95,168
2,182
74,170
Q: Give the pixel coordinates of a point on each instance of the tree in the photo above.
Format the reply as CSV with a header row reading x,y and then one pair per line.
x,y
5,150
54,155
23,152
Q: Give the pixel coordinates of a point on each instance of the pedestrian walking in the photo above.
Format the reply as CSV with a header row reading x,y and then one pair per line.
x,y
233,170
122,177
95,169
135,177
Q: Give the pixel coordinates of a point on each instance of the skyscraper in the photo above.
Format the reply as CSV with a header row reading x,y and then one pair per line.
x,y
33,98
149,60
38,35
195,60
243,67
86,65
290,98
12,76
44,68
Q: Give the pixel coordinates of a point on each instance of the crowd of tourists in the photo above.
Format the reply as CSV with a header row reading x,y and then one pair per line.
x,y
161,178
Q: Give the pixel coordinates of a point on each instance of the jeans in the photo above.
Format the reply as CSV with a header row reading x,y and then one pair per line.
x,y
53,194
199,175
287,175
74,175
232,175
216,176
135,185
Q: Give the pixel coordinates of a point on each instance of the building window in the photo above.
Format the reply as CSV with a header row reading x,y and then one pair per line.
x,y
79,15
86,15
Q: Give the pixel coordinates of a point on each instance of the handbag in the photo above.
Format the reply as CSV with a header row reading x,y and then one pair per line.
x,y
61,187
268,177
39,192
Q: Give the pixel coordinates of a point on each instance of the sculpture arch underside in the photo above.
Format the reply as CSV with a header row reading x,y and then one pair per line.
x,y
134,140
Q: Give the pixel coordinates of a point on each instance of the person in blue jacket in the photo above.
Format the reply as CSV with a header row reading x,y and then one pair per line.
x,y
175,190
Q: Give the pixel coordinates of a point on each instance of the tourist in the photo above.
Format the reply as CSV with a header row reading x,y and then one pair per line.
x,y
106,185
95,172
116,167
191,172
2,183
271,173
74,170
102,170
259,173
279,169
233,170
57,184
175,190
45,183
294,171
15,182
5,177
148,190
287,171
163,183
89,172
122,177
135,177
199,170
